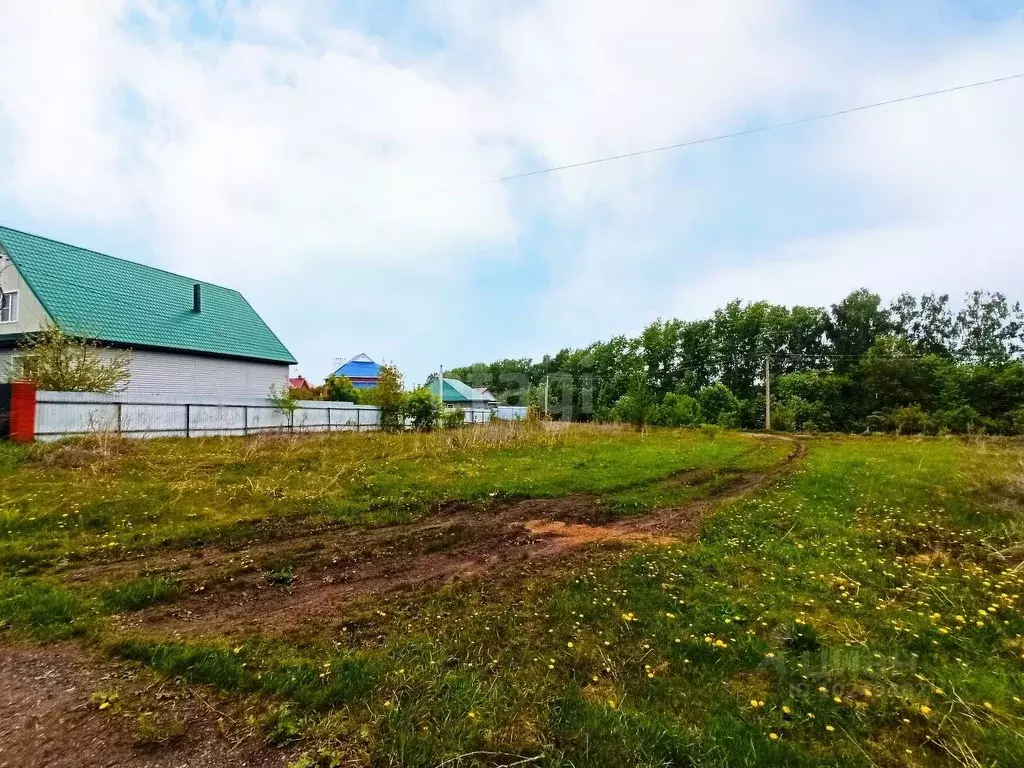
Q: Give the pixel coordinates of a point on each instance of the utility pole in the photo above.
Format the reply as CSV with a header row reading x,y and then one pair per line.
x,y
547,387
767,393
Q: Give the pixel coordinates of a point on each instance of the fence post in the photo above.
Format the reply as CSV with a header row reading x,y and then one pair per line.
x,y
119,422
328,421
357,419
188,420
245,420
23,411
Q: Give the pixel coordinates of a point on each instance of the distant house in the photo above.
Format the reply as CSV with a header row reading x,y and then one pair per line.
x,y
486,393
455,394
298,382
363,372
185,337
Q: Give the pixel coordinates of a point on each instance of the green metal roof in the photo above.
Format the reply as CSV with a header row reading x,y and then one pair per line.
x,y
100,297
457,392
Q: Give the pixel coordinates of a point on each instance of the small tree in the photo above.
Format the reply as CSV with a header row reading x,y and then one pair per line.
x,y
424,408
679,411
389,396
285,403
339,389
638,406
719,405
59,362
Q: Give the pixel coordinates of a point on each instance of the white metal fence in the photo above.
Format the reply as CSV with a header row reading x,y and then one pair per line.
x,y
66,414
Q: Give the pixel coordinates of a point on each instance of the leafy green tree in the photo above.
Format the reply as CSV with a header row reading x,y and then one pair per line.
x,y
893,375
719,405
423,408
284,401
989,328
59,362
678,410
339,389
856,322
388,396
929,326
961,420
639,405
818,397
835,369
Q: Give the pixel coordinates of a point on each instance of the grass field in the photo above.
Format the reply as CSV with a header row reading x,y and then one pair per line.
x,y
522,597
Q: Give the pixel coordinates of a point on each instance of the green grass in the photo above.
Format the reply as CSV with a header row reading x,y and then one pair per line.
x,y
94,499
833,600
140,593
862,612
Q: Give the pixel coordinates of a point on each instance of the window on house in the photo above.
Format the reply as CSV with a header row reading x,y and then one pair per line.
x,y
9,307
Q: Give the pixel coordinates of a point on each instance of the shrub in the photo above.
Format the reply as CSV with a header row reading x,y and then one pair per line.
x,y
728,420
959,421
389,396
679,411
59,362
783,418
716,401
1016,419
454,418
638,406
911,420
424,408
339,389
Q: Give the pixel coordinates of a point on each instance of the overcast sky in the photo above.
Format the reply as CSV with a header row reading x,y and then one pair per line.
x,y
293,149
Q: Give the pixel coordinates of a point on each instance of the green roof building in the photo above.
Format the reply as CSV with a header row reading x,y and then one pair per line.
x,y
186,337
455,394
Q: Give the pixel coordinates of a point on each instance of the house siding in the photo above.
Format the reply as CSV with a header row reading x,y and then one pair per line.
x,y
158,374
31,315
171,373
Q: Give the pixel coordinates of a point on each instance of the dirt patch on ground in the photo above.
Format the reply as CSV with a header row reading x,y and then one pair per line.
x,y
470,543
48,719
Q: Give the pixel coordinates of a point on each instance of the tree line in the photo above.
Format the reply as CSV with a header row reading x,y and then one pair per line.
x,y
912,366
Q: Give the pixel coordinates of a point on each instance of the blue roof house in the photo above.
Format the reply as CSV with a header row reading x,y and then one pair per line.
x,y
363,372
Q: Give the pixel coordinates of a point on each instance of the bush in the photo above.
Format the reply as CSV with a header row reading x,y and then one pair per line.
x,y
783,418
389,396
728,420
679,411
911,420
424,408
718,403
57,361
959,421
638,406
339,389
1016,419
454,418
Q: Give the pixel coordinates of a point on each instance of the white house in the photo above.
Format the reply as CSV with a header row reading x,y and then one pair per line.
x,y
184,337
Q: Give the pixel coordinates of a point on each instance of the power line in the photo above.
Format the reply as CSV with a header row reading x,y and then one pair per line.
x,y
725,136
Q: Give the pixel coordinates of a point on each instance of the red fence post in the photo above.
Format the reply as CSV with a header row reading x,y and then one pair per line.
x,y
23,411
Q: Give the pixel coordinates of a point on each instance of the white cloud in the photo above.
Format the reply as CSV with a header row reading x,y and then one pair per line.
x,y
285,159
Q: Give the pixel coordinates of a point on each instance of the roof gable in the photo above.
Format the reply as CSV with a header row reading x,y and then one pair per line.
x,y
457,392
361,367
101,297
